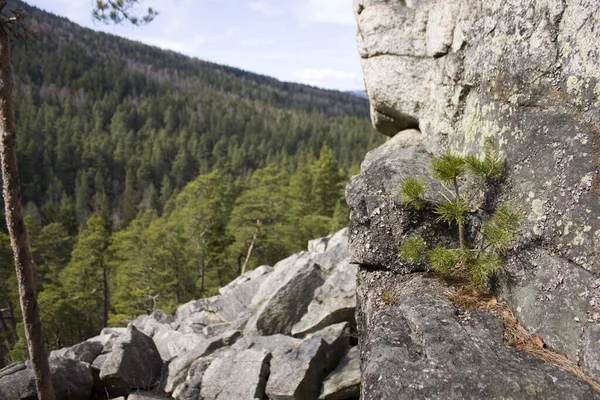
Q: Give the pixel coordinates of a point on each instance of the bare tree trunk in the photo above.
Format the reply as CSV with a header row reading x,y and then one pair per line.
x,y
16,228
5,345
105,298
13,322
251,247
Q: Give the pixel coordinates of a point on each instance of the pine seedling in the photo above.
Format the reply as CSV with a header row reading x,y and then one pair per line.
x,y
411,192
414,249
480,259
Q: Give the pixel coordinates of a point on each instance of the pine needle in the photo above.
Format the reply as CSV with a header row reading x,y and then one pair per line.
x,y
469,298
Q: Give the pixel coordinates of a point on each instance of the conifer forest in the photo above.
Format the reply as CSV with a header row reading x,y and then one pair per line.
x,y
150,179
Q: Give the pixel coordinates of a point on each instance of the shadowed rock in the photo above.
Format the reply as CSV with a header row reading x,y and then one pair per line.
x,y
72,380
344,381
133,363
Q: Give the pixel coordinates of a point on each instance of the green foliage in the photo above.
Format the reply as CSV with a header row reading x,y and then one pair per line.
x,y
144,173
478,260
117,11
411,192
444,261
500,230
413,249
451,211
448,167
490,166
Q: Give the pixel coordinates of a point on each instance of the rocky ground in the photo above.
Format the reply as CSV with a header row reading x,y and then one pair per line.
x,y
281,332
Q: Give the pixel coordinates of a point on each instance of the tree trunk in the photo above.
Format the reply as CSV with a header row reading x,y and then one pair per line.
x,y
202,266
5,345
16,228
13,322
251,246
105,298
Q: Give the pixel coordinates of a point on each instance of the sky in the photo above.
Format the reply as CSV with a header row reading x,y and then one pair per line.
x,y
306,41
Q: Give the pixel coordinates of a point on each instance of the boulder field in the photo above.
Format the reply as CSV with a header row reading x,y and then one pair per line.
x,y
281,332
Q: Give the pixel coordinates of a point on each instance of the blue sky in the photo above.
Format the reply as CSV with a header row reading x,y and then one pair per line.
x,y
307,41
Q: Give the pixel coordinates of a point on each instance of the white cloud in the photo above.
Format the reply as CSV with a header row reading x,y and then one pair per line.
x,y
264,8
327,11
329,78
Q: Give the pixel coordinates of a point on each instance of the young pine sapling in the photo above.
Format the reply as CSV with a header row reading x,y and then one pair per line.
x,y
477,259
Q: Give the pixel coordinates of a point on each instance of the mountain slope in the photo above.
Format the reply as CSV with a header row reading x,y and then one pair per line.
x,y
94,107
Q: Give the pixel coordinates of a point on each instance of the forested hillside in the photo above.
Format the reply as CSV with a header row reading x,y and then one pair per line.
x,y
151,178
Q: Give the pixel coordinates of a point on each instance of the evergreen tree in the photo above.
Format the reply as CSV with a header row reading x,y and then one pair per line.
x,y
326,182
85,278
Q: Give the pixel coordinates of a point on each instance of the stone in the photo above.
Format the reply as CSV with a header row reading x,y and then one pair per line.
x,y
419,347
86,351
144,395
283,297
336,251
333,302
337,338
177,369
171,343
317,245
150,324
133,363
277,345
190,389
71,380
298,374
526,75
344,381
243,376
378,220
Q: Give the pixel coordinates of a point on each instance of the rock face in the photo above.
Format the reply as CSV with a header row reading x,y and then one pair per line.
x,y
526,74
232,346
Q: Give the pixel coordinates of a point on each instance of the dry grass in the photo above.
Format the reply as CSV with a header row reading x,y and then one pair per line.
x,y
467,297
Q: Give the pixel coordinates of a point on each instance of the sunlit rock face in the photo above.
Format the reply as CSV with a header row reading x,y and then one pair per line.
x,y
526,73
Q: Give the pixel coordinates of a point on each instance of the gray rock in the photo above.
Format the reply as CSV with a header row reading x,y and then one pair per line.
x,y
144,395
298,374
333,302
86,351
378,221
72,380
134,363
317,245
336,252
243,376
524,73
171,343
344,381
190,389
420,348
177,368
150,324
284,296
277,345
337,338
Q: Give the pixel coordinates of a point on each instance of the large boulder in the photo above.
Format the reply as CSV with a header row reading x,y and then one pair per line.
x,y
133,363
524,73
152,323
333,302
71,380
177,369
416,344
298,374
243,376
344,381
284,296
